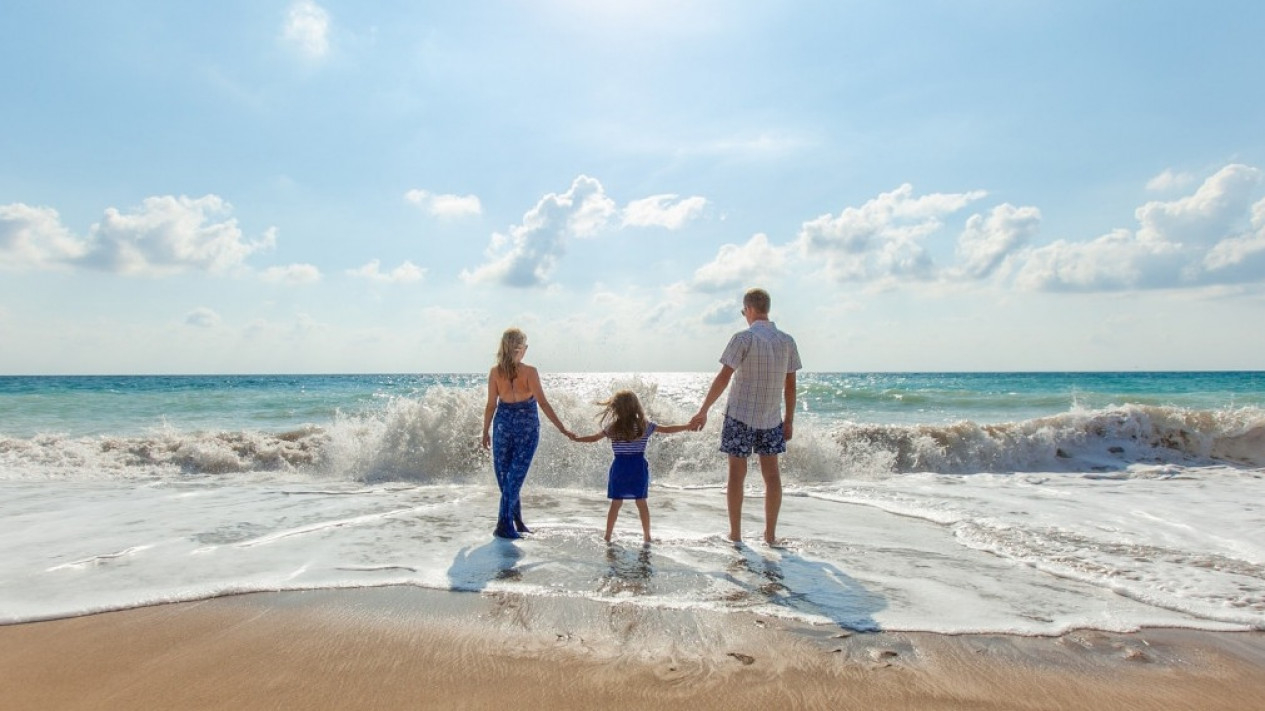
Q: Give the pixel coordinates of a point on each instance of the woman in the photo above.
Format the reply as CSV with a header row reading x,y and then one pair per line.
x,y
513,393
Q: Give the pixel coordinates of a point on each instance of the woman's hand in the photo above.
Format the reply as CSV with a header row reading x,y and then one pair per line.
x,y
487,441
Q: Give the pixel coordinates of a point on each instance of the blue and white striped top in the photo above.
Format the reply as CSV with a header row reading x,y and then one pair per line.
x,y
636,446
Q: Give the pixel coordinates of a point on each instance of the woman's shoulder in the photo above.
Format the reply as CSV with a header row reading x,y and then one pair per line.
x,y
529,370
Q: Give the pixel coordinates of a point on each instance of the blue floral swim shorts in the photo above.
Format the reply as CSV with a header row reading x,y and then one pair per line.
x,y
738,439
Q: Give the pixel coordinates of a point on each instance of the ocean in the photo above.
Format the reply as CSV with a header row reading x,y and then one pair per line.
x,y
1021,503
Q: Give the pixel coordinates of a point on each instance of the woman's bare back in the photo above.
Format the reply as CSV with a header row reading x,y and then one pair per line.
x,y
516,390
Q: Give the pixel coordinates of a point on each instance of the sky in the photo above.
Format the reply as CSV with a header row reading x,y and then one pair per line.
x,y
328,186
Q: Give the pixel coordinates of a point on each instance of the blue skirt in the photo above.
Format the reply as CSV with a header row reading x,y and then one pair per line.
x,y
629,477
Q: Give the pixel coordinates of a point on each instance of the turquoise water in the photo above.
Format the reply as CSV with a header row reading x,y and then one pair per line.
x,y
992,398
127,405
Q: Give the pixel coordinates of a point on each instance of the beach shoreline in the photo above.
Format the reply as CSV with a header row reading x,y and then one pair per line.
x,y
409,647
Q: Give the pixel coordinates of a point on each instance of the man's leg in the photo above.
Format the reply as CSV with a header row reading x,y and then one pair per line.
x,y
737,478
772,495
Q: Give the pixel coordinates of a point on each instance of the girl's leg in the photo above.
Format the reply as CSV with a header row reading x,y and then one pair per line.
x,y
644,511
611,515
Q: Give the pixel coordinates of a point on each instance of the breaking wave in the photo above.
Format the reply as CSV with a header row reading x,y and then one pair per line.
x,y
434,437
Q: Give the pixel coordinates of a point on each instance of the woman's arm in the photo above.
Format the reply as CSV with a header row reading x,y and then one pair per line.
x,y
489,409
533,379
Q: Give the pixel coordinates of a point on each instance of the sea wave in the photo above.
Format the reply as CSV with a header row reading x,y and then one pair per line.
x,y
1103,440
434,437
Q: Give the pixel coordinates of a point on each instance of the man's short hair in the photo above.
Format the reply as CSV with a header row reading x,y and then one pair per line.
x,y
757,300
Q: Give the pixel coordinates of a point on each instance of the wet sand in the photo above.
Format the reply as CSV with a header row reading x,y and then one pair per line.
x,y
397,648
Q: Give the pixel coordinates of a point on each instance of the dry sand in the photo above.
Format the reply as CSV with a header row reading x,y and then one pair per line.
x,y
407,648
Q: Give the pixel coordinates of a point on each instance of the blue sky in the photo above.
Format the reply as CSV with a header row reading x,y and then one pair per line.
x,y
338,186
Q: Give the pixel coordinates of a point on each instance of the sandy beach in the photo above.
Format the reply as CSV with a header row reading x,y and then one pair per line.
x,y
389,648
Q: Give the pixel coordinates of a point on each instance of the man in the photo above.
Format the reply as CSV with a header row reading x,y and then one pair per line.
x,y
761,361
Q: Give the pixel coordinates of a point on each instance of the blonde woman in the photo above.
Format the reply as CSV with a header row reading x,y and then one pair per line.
x,y
514,392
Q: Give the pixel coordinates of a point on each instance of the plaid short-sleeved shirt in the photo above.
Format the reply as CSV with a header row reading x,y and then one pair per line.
x,y
761,356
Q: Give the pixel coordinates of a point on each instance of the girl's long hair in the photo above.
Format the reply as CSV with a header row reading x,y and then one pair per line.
x,y
510,341
622,417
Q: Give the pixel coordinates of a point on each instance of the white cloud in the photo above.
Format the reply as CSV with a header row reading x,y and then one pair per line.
x,y
307,29
169,235
34,238
202,317
1240,252
445,206
165,235
1197,240
406,273
720,313
663,211
1207,215
1169,180
987,241
882,238
740,265
292,274
1118,260
527,256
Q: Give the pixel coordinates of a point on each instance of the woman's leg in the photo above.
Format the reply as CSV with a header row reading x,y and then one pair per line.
x,y
644,511
513,445
611,515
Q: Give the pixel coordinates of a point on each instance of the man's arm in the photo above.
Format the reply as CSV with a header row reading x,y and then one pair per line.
x,y
719,383
788,392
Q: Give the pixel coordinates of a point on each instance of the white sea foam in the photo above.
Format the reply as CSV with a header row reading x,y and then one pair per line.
x,y
434,438
1021,554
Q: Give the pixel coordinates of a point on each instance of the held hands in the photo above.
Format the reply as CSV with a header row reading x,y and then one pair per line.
x,y
698,421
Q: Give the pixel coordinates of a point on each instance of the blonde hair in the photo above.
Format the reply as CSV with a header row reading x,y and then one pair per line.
x,y
622,417
510,341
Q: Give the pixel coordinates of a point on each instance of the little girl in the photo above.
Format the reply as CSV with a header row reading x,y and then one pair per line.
x,y
624,422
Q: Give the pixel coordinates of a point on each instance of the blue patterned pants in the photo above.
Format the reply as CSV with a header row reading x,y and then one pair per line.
x,y
515,434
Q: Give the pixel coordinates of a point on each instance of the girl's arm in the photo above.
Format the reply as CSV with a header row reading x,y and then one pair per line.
x,y
669,429
489,409
533,379
588,438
